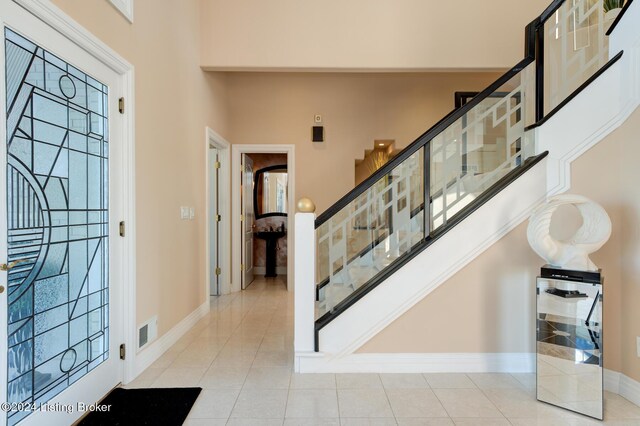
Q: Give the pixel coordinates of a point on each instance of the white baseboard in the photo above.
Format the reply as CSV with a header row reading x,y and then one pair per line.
x,y
612,381
315,362
151,353
623,385
629,389
417,363
261,270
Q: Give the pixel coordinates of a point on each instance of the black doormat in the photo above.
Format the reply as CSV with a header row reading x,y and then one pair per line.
x,y
157,406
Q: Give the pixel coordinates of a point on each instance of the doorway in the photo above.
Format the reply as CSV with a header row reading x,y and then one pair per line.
x,y
251,232
64,183
218,215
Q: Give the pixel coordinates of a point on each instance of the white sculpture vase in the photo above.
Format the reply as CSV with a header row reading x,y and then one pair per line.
x,y
574,252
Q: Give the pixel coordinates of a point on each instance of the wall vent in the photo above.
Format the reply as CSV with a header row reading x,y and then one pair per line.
x,y
147,332
143,335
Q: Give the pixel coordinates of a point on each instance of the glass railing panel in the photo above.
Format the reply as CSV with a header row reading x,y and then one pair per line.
x,y
465,160
377,227
575,47
481,147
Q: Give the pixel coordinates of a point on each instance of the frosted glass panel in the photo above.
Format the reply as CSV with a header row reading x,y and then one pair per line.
x,y
57,210
575,48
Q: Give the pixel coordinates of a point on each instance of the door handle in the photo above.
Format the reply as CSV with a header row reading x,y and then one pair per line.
x,y
11,265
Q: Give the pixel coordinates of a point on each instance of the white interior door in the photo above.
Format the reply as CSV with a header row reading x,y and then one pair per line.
x,y
214,224
247,220
61,309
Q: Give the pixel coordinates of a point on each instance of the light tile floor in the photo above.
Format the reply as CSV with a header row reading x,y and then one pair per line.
x,y
241,354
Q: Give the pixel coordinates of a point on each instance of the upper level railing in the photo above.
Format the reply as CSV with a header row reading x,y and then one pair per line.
x,y
462,160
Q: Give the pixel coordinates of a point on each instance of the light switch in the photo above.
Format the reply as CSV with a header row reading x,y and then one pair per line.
x,y
192,213
184,212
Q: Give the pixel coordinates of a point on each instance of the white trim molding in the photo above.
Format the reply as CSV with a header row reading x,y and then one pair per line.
x,y
53,16
521,362
611,381
236,151
125,7
622,385
311,362
629,389
151,353
64,24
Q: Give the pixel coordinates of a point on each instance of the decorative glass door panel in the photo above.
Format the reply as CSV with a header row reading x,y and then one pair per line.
x,y
57,221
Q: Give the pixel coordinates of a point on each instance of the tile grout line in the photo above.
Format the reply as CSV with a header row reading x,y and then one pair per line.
x,y
221,349
245,378
492,403
242,388
335,382
439,400
384,389
195,337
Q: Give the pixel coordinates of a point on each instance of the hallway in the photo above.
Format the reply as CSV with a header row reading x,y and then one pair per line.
x,y
241,354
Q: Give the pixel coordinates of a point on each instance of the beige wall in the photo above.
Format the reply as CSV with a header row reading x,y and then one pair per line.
x,y
488,306
364,34
278,108
629,141
174,102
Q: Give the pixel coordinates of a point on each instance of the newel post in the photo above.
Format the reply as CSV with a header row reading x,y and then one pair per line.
x,y
305,276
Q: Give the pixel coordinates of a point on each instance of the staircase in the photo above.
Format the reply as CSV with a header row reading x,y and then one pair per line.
x,y
464,183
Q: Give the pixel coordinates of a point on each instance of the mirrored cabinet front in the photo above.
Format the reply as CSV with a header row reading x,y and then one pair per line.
x,y
569,344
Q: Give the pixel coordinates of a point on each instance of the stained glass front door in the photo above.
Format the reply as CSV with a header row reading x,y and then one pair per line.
x,y
57,178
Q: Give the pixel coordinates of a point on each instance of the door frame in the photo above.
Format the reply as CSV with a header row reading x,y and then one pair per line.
x,y
60,22
224,207
236,151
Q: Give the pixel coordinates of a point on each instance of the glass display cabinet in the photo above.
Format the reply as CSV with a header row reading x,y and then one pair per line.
x,y
569,369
